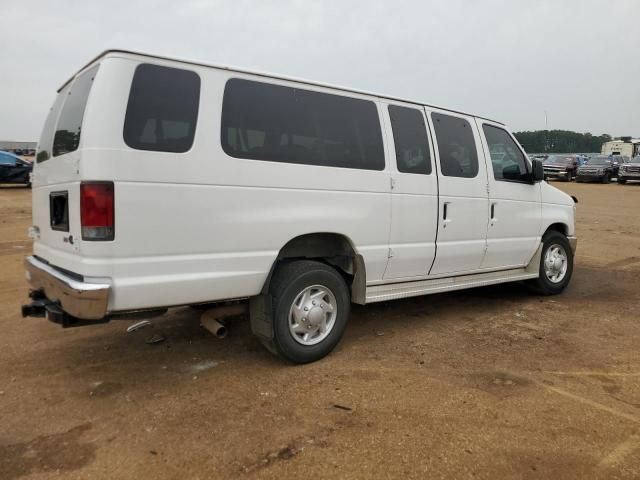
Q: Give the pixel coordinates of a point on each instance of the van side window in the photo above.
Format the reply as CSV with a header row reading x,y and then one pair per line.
x,y
162,111
508,161
67,136
262,121
458,155
410,138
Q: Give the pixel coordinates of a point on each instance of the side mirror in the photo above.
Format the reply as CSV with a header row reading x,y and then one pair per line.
x,y
537,174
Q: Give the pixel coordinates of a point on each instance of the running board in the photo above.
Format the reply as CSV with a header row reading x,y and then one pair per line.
x,y
393,291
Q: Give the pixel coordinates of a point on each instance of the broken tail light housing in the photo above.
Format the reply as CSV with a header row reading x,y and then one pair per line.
x,y
97,211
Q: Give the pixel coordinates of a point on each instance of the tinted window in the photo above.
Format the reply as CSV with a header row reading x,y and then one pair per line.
x,y
410,138
45,144
162,111
261,121
458,156
507,159
67,136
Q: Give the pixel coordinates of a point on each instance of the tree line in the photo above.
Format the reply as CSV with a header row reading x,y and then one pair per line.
x,y
561,141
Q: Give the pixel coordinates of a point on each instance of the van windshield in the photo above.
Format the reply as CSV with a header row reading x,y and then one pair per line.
x,y
61,132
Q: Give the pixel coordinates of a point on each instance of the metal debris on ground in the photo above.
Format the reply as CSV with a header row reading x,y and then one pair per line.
x,y
138,325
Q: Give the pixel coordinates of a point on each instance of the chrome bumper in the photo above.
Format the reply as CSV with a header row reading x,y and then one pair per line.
x,y
573,243
79,299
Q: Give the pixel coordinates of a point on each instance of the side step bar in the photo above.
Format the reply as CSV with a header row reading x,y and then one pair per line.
x,y
393,291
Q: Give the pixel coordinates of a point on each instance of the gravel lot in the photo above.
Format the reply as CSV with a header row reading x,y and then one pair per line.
x,y
488,383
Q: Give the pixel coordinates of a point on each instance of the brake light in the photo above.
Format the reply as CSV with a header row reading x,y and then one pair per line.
x,y
97,210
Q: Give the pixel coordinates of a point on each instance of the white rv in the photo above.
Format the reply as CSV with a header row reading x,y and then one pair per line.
x,y
161,182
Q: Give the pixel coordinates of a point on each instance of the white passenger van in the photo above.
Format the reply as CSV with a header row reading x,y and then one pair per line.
x,y
161,182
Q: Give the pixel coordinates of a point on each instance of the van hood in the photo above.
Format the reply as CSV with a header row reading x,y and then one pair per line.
x,y
551,194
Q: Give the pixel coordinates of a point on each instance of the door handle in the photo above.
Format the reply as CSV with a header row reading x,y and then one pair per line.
x,y
493,213
445,214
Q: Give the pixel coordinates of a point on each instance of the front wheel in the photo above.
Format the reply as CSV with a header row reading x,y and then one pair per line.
x,y
622,181
569,176
556,265
310,310
606,178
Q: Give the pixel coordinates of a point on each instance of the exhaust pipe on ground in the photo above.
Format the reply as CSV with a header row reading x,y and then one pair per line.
x,y
211,319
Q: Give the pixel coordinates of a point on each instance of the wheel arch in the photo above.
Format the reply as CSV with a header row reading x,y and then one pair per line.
x,y
332,248
559,227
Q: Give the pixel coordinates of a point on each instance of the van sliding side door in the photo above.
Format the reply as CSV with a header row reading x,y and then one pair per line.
x,y
463,202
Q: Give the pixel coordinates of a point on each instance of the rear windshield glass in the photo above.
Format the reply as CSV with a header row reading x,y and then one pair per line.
x,y
162,110
7,159
67,136
64,137
46,138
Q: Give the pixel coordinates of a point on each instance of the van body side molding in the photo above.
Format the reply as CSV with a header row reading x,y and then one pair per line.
x,y
393,291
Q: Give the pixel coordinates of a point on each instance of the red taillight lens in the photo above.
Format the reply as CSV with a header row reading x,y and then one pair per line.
x,y
97,210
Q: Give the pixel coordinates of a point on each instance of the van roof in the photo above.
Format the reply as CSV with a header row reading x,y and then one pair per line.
x,y
269,75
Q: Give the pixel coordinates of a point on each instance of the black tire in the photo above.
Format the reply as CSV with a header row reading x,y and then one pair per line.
x,y
606,178
543,285
622,181
569,176
288,281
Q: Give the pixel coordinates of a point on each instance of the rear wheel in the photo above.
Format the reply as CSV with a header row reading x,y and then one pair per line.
x,y
606,178
310,310
622,181
556,265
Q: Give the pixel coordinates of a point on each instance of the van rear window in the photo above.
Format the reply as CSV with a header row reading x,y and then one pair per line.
x,y
67,136
262,121
162,110
64,137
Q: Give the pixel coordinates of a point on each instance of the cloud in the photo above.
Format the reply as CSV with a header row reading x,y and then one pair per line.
x,y
510,60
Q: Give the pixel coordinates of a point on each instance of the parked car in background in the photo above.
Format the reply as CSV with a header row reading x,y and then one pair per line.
x,y
561,166
629,170
617,161
598,169
14,169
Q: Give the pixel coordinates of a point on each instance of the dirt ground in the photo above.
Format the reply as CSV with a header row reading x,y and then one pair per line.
x,y
487,383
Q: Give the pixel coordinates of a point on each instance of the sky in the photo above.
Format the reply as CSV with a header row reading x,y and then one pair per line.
x,y
510,60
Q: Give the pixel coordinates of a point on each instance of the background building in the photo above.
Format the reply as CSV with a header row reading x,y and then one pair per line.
x,y
625,146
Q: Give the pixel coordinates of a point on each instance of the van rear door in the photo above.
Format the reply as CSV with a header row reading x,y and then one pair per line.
x,y
56,191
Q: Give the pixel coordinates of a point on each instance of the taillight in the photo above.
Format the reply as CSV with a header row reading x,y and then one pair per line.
x,y
97,210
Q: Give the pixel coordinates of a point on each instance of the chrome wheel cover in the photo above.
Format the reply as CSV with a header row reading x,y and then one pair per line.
x,y
556,262
312,315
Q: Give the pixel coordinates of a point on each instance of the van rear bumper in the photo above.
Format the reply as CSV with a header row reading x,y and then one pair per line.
x,y
77,298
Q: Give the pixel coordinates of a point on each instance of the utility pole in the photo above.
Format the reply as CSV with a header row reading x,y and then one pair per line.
x,y
546,121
